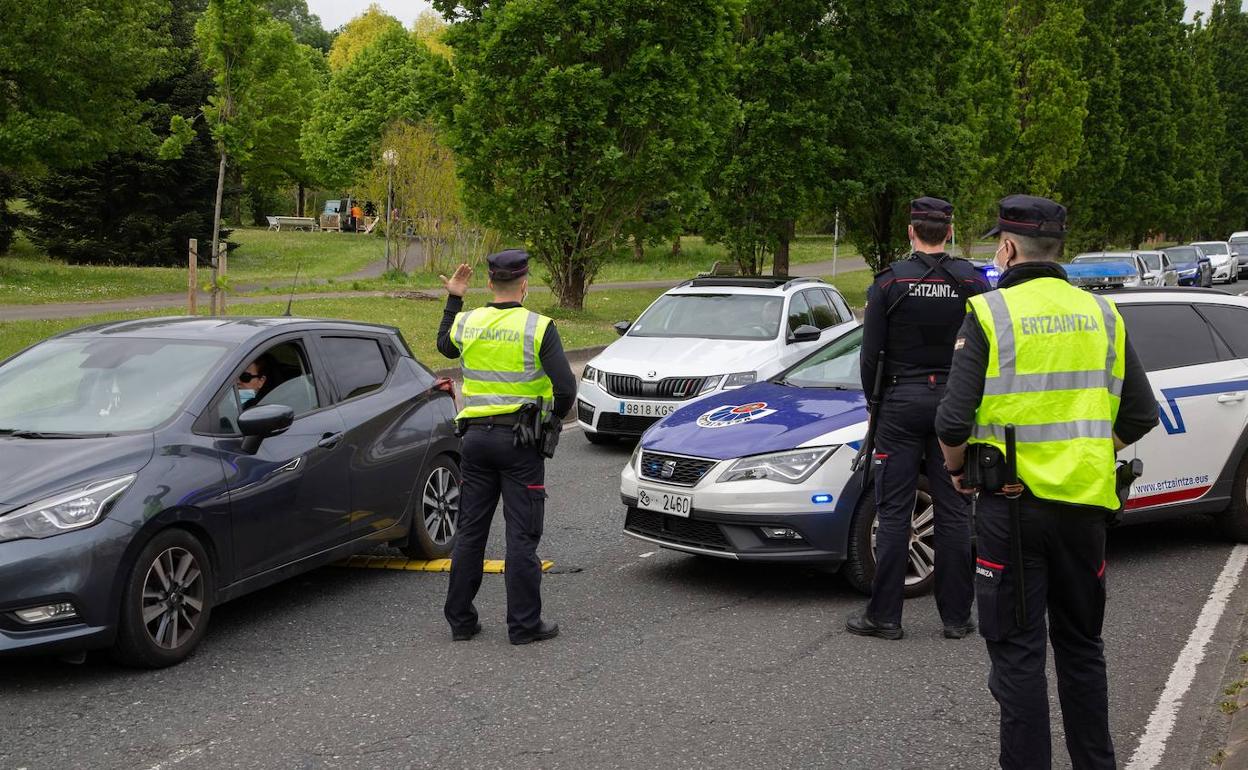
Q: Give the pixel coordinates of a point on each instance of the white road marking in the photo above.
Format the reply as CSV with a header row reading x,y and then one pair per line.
x,y
1152,747
647,554
177,758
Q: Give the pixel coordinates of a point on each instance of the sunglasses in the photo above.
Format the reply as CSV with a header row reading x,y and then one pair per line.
x,y
247,377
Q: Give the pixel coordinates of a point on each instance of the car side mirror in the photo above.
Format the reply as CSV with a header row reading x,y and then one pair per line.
x,y
260,422
804,333
622,327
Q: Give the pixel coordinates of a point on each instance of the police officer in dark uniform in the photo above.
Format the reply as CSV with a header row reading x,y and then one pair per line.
x,y
513,368
1049,370
913,312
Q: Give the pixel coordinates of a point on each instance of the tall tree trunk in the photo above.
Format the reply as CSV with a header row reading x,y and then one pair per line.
x,y
780,265
7,220
570,284
676,246
300,202
639,249
216,214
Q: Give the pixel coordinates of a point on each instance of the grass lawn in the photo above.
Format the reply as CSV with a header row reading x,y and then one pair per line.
x,y
659,265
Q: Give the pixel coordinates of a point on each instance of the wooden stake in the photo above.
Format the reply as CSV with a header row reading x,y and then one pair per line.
x,y
192,279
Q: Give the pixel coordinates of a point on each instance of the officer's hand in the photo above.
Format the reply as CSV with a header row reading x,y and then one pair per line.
x,y
457,284
957,484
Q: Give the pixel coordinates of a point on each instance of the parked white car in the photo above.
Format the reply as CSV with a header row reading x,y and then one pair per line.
x,y
764,474
1239,247
705,336
1225,262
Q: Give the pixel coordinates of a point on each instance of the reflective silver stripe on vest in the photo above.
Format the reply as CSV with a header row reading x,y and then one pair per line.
x,y
1004,330
530,342
498,400
458,337
1052,431
483,375
1040,383
1111,357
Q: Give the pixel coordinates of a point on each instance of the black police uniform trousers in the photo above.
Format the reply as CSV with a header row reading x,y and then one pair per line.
x,y
1064,576
493,466
905,444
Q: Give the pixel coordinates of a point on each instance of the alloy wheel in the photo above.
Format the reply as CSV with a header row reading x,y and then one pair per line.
x,y
440,503
922,554
173,598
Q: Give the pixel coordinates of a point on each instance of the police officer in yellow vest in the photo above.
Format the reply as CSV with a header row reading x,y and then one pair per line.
x,y
511,358
1055,362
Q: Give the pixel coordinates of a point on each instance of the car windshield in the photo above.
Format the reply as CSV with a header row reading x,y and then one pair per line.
x,y
79,386
1182,255
1153,260
835,366
1214,248
711,316
1238,244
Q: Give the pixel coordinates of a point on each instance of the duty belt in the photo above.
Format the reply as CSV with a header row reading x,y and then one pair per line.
x,y
917,379
511,418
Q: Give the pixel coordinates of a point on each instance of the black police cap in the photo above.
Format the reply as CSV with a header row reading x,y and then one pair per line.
x,y
927,209
1030,215
508,265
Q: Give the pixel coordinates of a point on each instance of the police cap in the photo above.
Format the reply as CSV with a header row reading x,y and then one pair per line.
x,y
508,265
1030,215
927,209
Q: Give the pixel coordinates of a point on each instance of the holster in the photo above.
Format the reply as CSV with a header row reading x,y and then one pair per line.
x,y
985,468
552,427
1125,474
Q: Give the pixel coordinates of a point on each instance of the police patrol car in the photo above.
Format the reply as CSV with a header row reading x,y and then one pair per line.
x,y
709,335
763,473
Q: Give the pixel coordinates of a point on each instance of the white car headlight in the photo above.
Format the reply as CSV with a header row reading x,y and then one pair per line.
x,y
590,374
792,467
64,512
740,380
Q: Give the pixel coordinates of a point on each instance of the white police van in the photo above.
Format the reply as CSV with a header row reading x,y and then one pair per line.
x,y
763,473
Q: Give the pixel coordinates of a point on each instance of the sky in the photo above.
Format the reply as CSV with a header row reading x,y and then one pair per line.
x,y
335,13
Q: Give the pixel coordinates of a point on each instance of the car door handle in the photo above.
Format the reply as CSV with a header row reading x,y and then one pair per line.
x,y
329,440
1230,398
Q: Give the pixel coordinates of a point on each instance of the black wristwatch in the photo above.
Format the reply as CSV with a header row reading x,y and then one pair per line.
x,y
957,472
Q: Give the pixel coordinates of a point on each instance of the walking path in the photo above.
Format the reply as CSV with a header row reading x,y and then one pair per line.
x,y
56,310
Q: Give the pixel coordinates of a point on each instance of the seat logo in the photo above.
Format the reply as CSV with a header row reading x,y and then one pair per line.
x,y
669,469
727,415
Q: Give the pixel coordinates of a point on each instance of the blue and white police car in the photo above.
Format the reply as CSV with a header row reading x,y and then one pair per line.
x,y
763,473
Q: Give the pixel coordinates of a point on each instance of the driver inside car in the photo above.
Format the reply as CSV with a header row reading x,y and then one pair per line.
x,y
253,380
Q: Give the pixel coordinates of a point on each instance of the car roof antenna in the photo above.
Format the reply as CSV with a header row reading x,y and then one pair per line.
x,y
291,298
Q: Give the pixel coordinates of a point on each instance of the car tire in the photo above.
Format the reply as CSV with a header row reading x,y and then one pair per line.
x,y
435,510
171,575
1234,520
599,439
859,566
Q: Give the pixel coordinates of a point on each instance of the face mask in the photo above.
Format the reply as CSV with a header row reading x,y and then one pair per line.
x,y
1000,266
245,396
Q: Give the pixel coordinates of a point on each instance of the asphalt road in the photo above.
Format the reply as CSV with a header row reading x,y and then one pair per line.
x,y
665,660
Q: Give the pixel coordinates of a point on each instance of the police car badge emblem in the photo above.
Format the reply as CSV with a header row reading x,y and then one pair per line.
x,y
727,415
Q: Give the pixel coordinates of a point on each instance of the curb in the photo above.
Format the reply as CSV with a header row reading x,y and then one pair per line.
x,y
1235,754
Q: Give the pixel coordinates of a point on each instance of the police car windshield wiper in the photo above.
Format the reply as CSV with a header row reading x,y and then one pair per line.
x,y
35,434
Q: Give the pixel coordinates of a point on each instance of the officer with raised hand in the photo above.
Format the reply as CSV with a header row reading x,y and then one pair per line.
x,y
1048,368
913,312
513,363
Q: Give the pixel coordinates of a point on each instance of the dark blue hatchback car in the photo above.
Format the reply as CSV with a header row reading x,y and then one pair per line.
x,y
152,469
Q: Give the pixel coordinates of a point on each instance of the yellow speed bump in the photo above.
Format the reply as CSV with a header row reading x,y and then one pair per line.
x,y
492,566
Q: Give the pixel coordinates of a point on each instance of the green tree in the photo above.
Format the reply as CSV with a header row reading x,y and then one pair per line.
x,y
1201,135
1226,35
132,207
1042,40
70,78
902,124
360,33
1150,42
286,79
394,78
577,114
1090,189
780,155
306,26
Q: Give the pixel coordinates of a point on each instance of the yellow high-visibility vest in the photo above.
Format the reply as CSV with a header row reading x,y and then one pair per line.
x,y
1056,358
499,355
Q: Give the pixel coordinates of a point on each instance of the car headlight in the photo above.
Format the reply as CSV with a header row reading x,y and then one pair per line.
x,y
740,380
792,467
64,512
589,374
710,383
